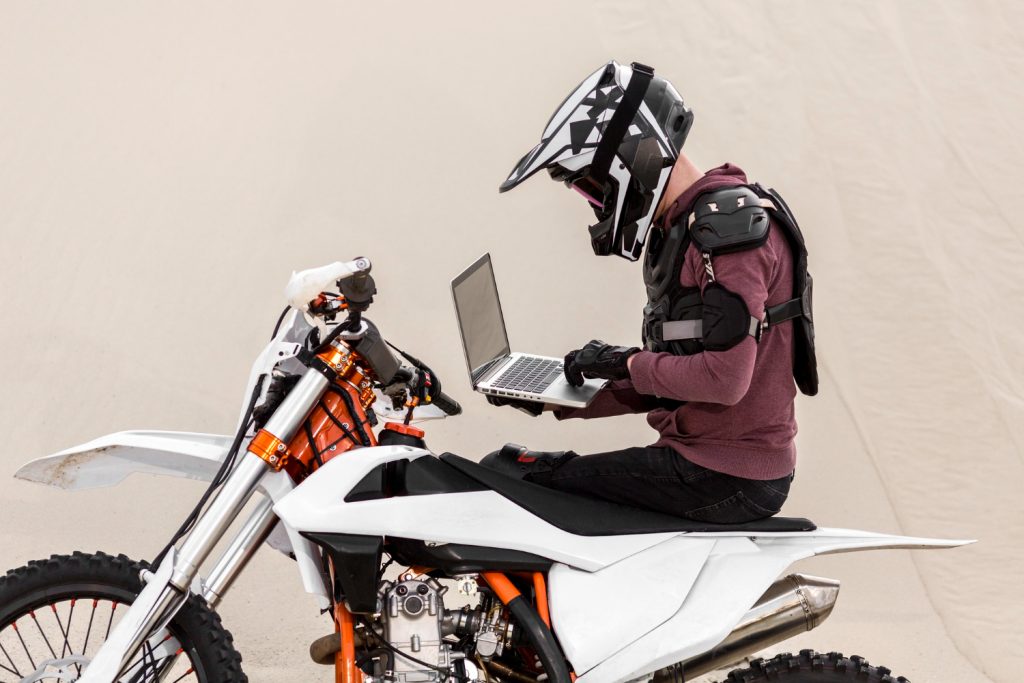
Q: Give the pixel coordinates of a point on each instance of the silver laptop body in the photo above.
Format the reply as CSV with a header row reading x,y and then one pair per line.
x,y
493,369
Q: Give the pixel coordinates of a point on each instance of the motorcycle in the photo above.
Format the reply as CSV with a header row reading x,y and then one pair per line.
x,y
499,580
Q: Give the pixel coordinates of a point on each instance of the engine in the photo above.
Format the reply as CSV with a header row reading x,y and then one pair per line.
x,y
430,643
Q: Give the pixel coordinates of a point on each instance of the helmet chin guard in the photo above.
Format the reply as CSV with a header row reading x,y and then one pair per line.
x,y
614,140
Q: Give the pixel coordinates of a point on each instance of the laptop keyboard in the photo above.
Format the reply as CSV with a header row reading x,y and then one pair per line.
x,y
529,374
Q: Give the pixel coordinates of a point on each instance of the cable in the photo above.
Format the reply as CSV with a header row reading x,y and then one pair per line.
x,y
435,386
280,319
349,324
312,442
350,406
219,478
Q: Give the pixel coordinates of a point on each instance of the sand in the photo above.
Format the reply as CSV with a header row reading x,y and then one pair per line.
x,y
163,168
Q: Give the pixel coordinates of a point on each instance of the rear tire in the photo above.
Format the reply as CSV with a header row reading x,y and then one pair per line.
x,y
812,667
50,586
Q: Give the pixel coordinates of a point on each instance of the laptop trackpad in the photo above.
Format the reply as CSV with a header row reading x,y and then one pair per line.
x,y
563,393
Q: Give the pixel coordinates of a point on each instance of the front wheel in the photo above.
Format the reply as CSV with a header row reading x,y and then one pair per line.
x,y
55,614
812,667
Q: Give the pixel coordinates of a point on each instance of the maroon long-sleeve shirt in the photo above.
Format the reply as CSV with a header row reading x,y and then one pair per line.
x,y
738,417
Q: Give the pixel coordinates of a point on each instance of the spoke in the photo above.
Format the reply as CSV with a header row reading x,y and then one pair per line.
x,y
88,630
152,667
66,633
42,633
147,659
113,608
167,664
147,650
182,676
25,647
67,649
11,670
60,624
15,671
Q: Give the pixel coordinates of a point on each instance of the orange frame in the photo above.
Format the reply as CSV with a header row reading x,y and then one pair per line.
x,y
345,669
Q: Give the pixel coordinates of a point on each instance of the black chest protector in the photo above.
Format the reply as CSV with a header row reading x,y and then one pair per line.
x,y
681,320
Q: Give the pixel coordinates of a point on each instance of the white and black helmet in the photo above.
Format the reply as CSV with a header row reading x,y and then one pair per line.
x,y
614,139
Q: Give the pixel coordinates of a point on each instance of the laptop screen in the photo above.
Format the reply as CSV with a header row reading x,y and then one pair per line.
x,y
479,312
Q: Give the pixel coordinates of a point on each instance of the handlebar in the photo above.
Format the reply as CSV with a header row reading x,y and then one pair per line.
x,y
357,288
448,405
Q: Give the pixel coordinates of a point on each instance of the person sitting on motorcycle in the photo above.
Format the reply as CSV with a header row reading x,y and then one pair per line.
x,y
727,326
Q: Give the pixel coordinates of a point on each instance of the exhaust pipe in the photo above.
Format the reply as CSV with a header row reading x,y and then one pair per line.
x,y
792,605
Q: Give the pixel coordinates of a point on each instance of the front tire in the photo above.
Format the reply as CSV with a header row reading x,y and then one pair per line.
x,y
812,667
39,622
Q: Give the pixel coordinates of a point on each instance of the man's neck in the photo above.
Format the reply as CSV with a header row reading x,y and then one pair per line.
x,y
684,174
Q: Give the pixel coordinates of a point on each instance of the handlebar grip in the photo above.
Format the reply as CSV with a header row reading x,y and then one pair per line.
x,y
448,405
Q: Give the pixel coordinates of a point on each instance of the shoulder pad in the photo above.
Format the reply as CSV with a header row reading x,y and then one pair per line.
x,y
729,219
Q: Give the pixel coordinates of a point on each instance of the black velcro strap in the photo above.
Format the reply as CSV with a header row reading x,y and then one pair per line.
x,y
794,308
616,129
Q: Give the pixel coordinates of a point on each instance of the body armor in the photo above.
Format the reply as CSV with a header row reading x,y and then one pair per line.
x,y
683,320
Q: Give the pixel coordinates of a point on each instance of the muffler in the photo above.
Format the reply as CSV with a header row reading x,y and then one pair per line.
x,y
792,605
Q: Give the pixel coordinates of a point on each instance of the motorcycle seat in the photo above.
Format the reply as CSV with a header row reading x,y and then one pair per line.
x,y
585,516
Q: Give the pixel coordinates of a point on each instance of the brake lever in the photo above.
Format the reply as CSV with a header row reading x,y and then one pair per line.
x,y
327,306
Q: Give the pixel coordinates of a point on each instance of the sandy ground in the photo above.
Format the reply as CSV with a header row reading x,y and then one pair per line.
x,y
164,167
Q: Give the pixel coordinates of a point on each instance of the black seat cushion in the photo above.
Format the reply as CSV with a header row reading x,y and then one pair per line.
x,y
586,516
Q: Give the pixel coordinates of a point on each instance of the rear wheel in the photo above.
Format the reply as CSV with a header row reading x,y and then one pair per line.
x,y
56,613
811,667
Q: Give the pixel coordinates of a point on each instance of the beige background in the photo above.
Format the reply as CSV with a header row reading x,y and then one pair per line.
x,y
164,167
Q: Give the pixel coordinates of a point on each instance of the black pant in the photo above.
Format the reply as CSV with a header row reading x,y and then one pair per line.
x,y
662,480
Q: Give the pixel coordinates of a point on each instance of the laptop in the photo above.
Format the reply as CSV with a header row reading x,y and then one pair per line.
x,y
493,369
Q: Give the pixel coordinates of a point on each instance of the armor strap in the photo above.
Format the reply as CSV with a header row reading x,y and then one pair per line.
x,y
794,308
678,330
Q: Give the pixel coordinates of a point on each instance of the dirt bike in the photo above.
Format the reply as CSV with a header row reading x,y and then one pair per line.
x,y
500,580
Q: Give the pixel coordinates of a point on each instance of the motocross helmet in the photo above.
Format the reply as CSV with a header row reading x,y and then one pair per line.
x,y
614,140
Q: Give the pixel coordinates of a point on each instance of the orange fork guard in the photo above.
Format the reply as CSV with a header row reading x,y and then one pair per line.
x,y
345,670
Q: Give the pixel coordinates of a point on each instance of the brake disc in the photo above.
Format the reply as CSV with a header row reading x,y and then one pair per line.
x,y
67,669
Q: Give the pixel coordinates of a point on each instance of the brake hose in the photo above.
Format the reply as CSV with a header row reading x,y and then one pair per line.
x,y
219,477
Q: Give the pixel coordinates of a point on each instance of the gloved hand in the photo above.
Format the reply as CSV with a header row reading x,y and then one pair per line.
x,y
597,360
532,408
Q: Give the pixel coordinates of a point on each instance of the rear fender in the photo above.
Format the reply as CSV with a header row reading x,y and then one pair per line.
x,y
108,460
736,571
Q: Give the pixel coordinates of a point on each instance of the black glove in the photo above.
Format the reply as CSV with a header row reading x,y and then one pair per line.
x,y
597,360
533,408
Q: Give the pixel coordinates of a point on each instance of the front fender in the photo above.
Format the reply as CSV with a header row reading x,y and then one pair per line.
x,y
108,460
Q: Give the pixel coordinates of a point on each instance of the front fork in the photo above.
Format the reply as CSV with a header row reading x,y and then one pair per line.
x,y
155,606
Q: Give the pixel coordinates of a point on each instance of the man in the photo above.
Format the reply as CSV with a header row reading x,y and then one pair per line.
x,y
726,328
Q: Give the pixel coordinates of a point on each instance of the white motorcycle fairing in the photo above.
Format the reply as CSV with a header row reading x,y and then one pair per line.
x,y
673,595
